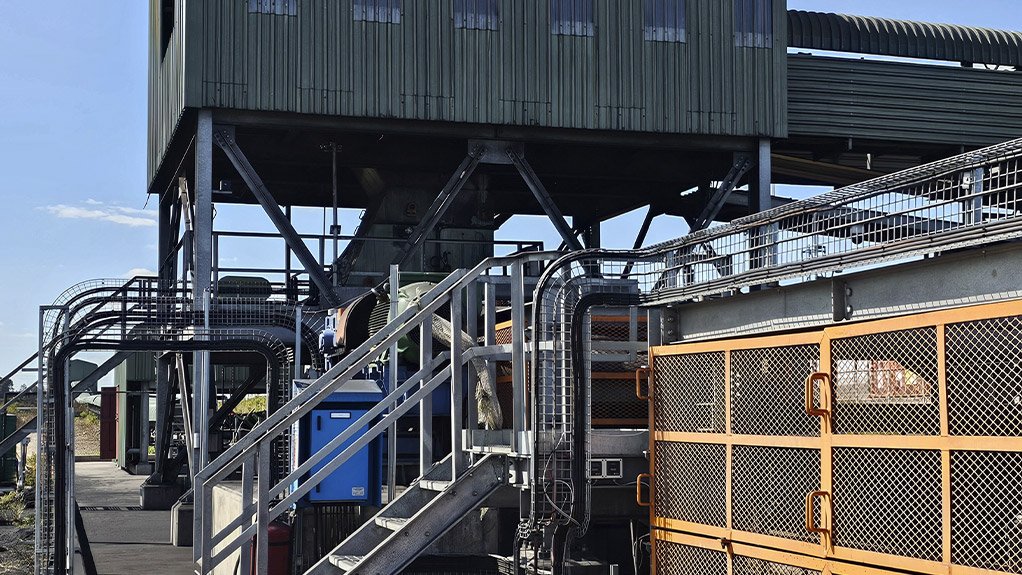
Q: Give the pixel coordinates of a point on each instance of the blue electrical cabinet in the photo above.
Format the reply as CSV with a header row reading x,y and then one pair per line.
x,y
359,479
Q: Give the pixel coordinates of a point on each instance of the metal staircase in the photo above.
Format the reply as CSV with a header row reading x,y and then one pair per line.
x,y
446,491
416,518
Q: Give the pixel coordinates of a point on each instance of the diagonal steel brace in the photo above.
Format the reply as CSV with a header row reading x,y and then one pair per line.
x,y
440,205
224,137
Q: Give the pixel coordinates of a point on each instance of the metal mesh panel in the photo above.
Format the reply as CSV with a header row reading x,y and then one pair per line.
x,y
986,510
768,390
614,399
984,377
886,383
689,482
688,393
888,501
769,485
741,565
677,559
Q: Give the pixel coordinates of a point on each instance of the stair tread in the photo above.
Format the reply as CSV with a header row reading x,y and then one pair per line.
x,y
346,562
434,484
392,523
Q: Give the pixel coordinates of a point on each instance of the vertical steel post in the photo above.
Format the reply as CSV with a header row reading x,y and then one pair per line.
x,y
203,195
69,465
973,206
518,363
426,406
263,510
472,329
248,469
336,227
490,326
143,430
202,239
395,279
202,497
201,409
298,342
41,426
287,248
457,390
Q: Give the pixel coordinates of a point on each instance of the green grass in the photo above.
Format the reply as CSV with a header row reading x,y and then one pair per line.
x,y
12,510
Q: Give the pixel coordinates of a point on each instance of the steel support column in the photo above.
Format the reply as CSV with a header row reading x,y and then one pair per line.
x,y
203,195
168,237
760,200
225,139
165,403
440,205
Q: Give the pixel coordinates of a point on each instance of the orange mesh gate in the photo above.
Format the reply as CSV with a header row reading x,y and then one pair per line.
x,y
892,444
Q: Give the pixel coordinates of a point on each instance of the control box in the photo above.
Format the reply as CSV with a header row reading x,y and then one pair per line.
x,y
359,479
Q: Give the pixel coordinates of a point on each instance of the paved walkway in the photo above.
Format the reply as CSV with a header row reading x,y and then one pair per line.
x,y
125,540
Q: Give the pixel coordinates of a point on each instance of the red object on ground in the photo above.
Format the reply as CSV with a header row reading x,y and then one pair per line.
x,y
280,550
108,423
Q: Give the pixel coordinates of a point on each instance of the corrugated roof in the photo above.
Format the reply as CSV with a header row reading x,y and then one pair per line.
x,y
885,36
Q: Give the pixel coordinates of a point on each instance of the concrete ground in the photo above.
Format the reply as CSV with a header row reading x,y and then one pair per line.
x,y
124,540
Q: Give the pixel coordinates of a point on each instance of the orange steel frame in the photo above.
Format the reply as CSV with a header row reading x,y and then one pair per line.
x,y
824,556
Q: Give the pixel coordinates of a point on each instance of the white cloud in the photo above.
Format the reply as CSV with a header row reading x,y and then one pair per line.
x,y
138,272
93,202
120,215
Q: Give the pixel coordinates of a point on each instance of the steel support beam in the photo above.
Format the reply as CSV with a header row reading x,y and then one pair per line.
x,y
440,205
544,199
967,277
255,378
640,237
224,136
742,164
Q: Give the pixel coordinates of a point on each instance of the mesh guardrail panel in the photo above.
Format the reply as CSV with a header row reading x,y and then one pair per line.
x,y
677,559
986,510
912,459
888,501
688,482
689,392
886,383
769,486
772,377
984,377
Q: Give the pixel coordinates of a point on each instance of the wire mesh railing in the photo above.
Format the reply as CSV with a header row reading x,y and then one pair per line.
x,y
117,315
971,199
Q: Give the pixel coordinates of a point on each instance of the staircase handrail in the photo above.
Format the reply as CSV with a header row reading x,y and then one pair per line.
x,y
305,401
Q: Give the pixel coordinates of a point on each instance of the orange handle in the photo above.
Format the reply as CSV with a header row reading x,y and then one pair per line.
x,y
810,523
811,408
638,489
641,374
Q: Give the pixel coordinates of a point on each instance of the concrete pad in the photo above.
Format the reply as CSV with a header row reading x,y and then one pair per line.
x,y
124,539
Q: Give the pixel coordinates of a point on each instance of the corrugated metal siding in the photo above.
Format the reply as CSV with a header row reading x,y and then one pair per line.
x,y
871,35
904,102
166,86
322,62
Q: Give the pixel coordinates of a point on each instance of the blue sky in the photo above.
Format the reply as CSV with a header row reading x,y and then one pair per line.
x,y
72,149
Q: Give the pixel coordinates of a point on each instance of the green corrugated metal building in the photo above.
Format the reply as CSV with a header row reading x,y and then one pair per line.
x,y
617,104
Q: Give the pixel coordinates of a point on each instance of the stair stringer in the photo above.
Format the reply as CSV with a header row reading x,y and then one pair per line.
x,y
431,515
